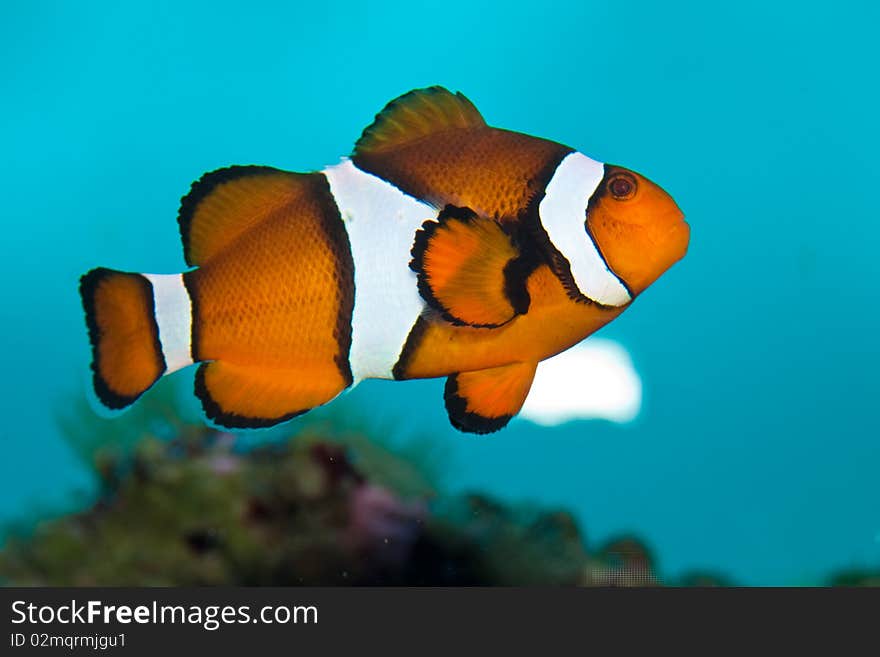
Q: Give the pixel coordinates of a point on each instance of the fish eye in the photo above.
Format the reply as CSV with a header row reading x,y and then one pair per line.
x,y
622,186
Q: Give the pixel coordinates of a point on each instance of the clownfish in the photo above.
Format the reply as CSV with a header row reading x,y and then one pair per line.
x,y
442,247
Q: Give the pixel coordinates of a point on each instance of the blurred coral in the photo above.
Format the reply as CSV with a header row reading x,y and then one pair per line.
x,y
856,577
179,503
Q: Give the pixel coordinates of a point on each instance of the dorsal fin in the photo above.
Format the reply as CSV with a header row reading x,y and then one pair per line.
x,y
417,114
223,204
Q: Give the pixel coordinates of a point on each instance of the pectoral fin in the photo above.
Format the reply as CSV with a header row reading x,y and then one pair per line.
x,y
469,269
484,401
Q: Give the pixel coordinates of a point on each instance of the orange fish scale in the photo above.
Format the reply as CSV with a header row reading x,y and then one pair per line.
x,y
494,172
274,299
554,323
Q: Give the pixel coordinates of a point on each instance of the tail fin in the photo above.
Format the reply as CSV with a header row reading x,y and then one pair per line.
x,y
126,352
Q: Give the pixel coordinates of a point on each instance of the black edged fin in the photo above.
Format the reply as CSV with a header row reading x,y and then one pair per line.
x,y
485,401
252,396
469,269
223,204
232,419
120,315
417,114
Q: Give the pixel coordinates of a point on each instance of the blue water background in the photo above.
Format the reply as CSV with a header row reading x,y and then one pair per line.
x,y
757,452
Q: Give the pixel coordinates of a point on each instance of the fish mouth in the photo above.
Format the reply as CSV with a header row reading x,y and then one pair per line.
x,y
678,237
672,243
679,234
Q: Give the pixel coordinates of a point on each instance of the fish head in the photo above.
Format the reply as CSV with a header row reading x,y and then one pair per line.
x,y
637,226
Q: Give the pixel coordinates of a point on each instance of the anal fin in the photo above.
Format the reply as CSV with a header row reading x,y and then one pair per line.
x,y
469,269
485,400
249,396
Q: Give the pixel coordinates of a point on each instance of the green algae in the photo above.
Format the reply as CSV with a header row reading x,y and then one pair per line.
x,y
332,501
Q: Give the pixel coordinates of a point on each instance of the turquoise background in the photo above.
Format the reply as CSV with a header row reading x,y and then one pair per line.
x,y
757,452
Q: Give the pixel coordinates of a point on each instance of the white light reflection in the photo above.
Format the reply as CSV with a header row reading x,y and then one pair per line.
x,y
594,379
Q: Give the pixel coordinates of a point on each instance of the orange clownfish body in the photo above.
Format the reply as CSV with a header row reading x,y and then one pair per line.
x,y
442,247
